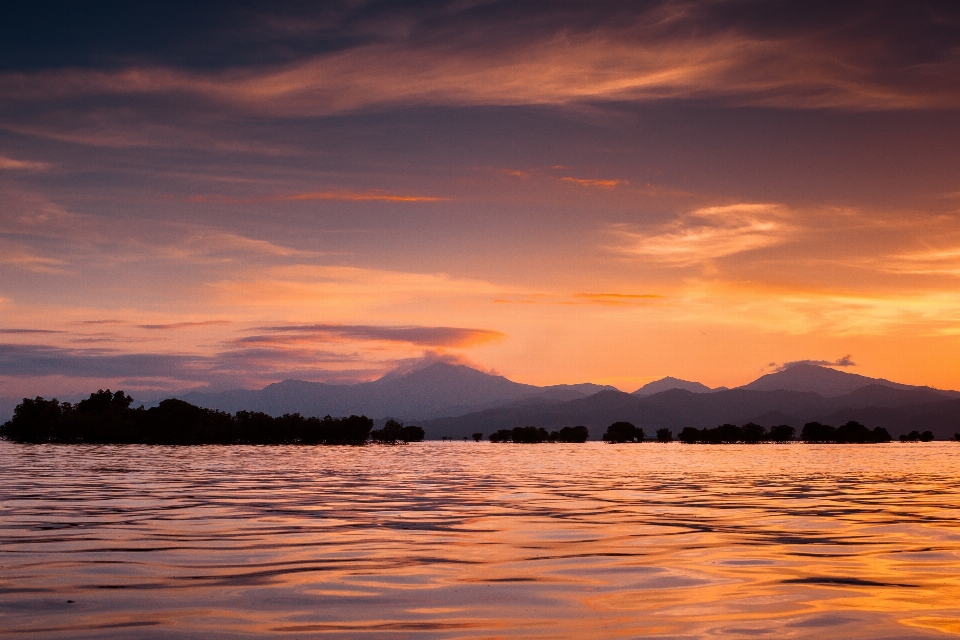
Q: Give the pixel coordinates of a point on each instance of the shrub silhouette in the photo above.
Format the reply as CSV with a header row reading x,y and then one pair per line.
x,y
664,435
916,436
623,432
477,437
570,434
530,435
394,432
106,417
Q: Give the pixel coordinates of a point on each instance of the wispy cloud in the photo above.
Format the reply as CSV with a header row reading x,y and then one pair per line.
x,y
28,259
348,196
217,246
520,57
29,331
181,325
707,234
845,361
421,336
616,298
22,165
934,261
603,184
46,360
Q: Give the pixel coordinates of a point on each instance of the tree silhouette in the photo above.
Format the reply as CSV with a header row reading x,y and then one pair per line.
x,y
623,432
782,433
753,433
477,437
664,435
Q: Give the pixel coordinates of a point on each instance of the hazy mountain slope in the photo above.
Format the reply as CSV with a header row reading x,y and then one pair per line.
x,y
942,418
676,408
665,384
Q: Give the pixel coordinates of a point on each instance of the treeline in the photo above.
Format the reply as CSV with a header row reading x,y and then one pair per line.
x,y
813,432
536,435
850,433
107,418
750,433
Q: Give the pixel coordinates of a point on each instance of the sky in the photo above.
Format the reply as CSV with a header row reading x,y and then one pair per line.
x,y
226,194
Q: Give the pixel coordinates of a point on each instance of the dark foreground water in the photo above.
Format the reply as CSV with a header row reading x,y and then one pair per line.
x,y
480,541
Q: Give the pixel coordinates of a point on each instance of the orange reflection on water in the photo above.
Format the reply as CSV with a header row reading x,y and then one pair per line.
x,y
480,540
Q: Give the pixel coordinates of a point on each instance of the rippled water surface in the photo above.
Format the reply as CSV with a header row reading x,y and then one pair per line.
x,y
480,540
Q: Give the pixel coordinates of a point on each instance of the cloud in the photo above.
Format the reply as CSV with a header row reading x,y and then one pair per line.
x,y
817,310
234,367
616,298
349,196
937,261
853,56
24,258
205,245
421,336
22,165
345,290
603,184
181,325
28,331
18,360
409,365
845,361
707,234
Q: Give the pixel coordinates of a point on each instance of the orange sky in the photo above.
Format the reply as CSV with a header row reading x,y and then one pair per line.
x,y
560,195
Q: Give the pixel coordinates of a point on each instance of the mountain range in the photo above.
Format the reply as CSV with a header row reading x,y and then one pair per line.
x,y
434,391
450,400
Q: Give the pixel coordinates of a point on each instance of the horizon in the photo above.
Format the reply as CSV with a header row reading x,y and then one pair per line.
x,y
208,196
152,397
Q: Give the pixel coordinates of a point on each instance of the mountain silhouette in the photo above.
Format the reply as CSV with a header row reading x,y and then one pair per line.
x,y
440,389
897,410
456,401
665,384
824,381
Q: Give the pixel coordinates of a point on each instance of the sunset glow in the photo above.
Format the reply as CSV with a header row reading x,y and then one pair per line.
x,y
602,193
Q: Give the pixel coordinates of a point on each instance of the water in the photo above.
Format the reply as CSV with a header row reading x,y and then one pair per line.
x,y
468,540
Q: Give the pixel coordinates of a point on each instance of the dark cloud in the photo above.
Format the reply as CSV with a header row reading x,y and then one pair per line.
x,y
421,336
237,366
845,361
45,360
28,331
799,53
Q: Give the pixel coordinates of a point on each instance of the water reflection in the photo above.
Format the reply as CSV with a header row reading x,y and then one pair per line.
x,y
481,541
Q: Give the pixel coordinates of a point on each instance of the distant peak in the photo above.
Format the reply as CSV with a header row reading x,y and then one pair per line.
x,y
668,383
816,377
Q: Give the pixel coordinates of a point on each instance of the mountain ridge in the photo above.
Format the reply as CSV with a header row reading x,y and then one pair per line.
x,y
454,400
